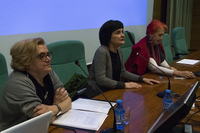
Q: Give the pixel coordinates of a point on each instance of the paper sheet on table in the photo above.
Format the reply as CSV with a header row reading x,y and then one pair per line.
x,y
92,105
188,61
81,119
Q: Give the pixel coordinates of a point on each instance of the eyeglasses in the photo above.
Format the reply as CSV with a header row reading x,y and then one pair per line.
x,y
43,56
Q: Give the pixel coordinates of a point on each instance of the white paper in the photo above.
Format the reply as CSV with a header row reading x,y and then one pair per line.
x,y
92,105
188,61
85,114
179,78
81,119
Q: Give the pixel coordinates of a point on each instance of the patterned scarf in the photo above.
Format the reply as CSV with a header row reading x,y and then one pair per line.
x,y
154,51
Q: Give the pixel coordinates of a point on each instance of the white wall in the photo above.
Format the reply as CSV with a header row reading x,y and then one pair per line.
x,y
88,36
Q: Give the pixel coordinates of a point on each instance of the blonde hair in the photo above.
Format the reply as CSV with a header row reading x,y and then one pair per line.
x,y
24,53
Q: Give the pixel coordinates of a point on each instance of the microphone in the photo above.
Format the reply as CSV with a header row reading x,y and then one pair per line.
x,y
108,130
162,93
197,73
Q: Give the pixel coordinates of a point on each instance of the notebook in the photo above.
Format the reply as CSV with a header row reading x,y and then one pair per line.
x,y
39,124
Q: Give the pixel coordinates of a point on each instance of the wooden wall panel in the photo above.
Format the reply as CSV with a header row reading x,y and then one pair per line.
x,y
195,29
157,9
159,13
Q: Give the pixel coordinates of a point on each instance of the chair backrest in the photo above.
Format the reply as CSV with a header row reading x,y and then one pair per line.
x,y
127,46
178,41
65,53
3,72
167,48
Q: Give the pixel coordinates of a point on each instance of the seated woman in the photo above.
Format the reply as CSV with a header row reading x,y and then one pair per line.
x,y
107,67
151,49
33,88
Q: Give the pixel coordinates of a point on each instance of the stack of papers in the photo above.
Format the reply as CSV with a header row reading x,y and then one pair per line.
x,y
188,61
85,114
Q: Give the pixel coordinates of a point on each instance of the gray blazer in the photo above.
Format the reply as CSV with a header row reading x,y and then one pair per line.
x,y
19,98
101,71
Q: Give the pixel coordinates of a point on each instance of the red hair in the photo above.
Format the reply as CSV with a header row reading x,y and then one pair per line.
x,y
154,26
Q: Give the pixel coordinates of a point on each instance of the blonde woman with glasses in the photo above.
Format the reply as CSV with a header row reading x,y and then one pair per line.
x,y
33,88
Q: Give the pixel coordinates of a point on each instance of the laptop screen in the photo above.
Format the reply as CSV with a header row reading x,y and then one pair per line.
x,y
39,124
176,112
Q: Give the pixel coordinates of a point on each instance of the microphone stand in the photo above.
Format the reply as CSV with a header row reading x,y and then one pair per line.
x,y
108,130
162,93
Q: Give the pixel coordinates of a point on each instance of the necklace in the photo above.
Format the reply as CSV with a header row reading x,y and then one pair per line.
x,y
45,96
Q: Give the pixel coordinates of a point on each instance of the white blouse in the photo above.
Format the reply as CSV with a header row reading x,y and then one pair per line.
x,y
163,67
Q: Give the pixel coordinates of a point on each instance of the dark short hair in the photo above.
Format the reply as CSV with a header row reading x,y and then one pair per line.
x,y
107,29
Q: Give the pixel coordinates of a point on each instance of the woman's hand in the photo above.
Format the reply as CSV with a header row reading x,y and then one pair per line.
x,y
130,85
185,74
150,81
41,109
60,95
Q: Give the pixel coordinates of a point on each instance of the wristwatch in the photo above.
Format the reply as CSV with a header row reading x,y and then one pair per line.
x,y
59,110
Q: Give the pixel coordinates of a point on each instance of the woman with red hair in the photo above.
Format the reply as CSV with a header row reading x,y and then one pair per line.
x,y
151,49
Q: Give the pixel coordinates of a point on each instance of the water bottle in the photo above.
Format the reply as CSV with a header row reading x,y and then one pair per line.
x,y
167,100
119,113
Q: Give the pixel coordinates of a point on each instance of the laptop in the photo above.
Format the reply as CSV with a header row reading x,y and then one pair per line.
x,y
39,124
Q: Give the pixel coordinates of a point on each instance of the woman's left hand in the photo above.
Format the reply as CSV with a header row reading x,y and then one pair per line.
x,y
60,95
150,81
41,109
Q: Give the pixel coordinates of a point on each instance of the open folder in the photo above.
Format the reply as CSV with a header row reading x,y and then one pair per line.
x,y
85,114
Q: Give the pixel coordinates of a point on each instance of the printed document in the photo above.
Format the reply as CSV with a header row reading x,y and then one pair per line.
x,y
92,105
85,114
188,61
81,119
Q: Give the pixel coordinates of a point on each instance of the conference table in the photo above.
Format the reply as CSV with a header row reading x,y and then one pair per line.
x,y
142,105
